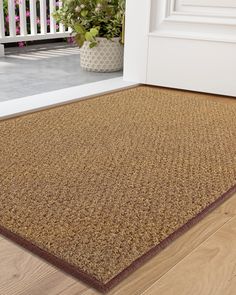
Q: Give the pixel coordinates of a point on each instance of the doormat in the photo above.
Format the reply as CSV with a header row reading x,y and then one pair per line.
x,y
99,186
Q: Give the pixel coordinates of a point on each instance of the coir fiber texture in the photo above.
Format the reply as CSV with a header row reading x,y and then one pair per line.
x,y
99,186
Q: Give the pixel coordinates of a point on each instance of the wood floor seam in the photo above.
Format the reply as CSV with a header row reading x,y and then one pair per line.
x,y
62,291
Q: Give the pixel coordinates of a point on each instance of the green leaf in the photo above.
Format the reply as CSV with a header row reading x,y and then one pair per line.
x,y
84,13
89,37
94,32
79,39
79,28
92,44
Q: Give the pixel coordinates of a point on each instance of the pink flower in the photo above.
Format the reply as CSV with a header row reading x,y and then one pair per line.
x,y
17,30
21,44
70,40
38,20
7,18
27,13
17,18
57,27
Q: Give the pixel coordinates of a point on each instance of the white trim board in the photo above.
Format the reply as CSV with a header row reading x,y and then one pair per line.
x,y
20,106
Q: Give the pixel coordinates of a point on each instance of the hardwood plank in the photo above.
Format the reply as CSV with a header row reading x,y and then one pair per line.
x,y
22,274
228,207
75,289
59,283
210,269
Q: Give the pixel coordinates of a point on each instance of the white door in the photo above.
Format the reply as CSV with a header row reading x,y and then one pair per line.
x,y
186,44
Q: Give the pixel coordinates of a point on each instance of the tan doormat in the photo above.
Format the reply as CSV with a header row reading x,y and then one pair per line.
x,y
99,186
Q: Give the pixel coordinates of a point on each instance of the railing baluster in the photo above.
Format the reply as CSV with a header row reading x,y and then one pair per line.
x,y
12,16
33,17
43,17
61,26
52,20
2,27
22,11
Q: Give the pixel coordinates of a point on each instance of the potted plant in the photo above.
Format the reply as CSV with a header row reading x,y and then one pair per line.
x,y
98,29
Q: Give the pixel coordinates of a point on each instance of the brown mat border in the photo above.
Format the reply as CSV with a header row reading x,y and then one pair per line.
x,y
79,274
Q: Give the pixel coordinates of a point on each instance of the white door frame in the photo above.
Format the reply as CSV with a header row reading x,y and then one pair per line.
x,y
181,49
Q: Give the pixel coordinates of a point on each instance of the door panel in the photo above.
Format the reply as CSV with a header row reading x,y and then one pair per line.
x,y
210,7
208,72
188,44
207,3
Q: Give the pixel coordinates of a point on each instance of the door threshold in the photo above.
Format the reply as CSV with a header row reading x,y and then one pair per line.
x,y
29,104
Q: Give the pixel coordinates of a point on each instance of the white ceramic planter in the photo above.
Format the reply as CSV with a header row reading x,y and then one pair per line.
x,y
107,56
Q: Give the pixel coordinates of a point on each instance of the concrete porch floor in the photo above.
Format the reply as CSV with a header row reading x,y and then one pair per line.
x,y
42,68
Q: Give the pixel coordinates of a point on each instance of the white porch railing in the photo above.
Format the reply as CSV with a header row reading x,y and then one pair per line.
x,y
27,20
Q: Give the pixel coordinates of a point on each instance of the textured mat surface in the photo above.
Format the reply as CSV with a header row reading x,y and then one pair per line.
x,y
98,186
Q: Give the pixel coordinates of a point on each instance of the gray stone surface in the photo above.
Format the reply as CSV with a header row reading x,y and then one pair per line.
x,y
43,68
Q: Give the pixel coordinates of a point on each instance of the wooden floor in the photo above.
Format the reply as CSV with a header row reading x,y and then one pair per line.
x,y
201,262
